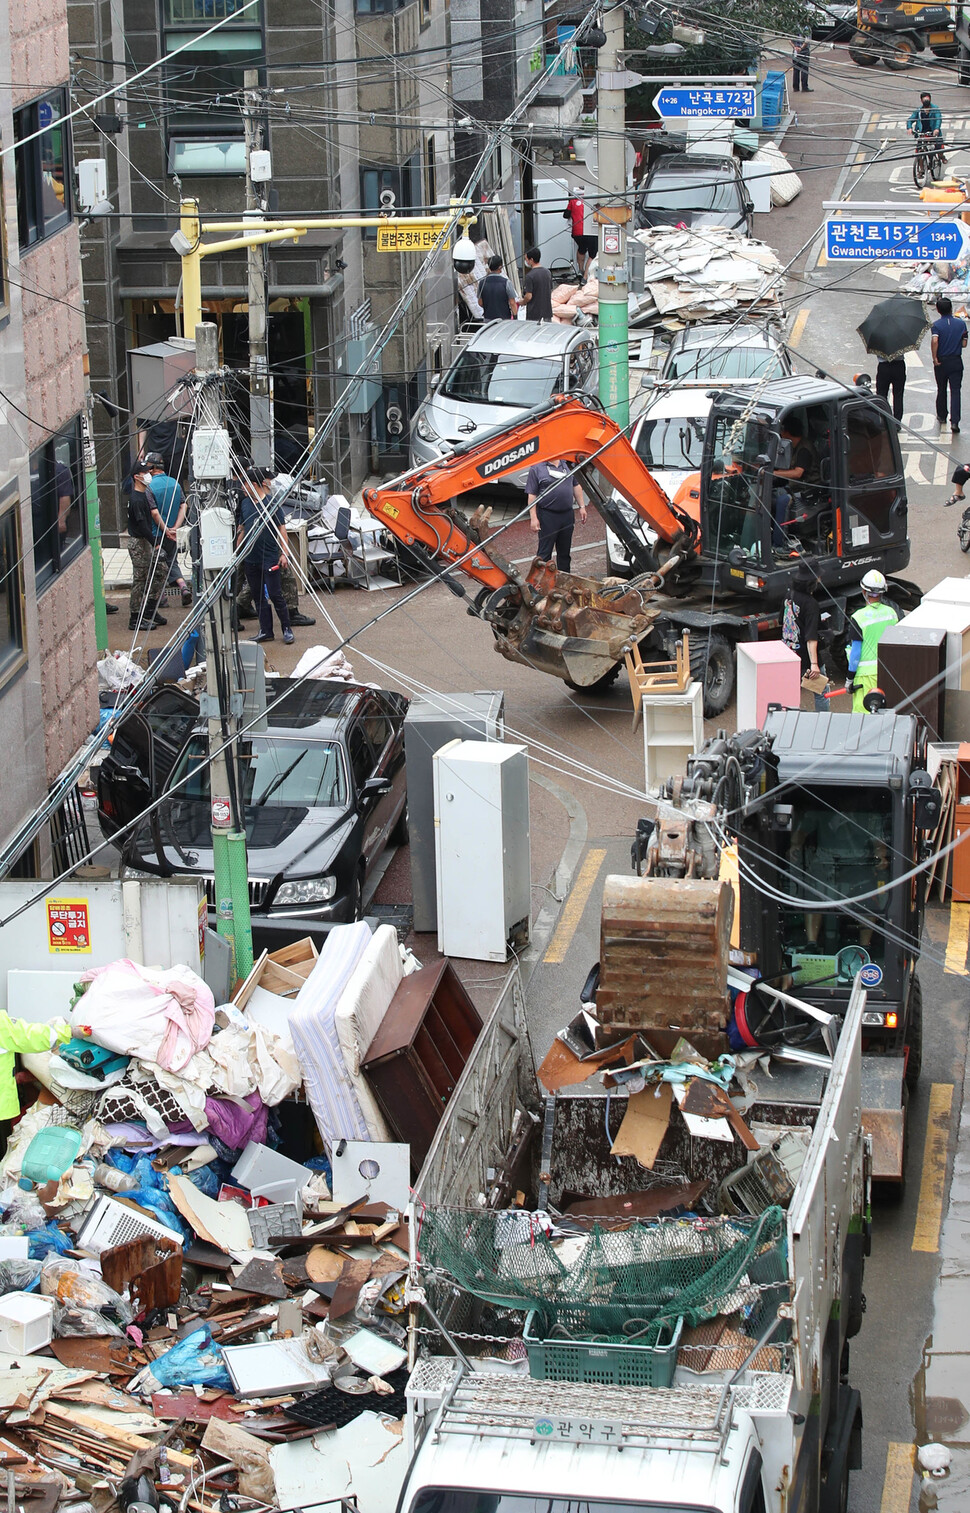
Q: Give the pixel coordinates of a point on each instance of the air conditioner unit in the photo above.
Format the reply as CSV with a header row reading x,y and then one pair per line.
x,y
112,1223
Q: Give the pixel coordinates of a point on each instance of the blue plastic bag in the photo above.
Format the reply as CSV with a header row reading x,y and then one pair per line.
x,y
195,1361
43,1241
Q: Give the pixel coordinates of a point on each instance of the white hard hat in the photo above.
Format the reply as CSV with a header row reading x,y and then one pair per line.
x,y
576,189
874,582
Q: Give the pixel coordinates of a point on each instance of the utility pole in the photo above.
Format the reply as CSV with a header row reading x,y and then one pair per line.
x,y
260,402
613,215
222,703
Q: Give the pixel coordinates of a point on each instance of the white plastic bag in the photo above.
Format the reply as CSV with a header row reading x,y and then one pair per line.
x,y
156,1015
117,671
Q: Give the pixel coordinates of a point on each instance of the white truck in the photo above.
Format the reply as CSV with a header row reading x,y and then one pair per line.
x,y
778,1439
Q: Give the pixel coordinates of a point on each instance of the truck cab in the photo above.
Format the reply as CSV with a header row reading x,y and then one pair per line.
x,y
847,510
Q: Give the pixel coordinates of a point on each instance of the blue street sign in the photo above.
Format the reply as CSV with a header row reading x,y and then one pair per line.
x,y
903,241
730,101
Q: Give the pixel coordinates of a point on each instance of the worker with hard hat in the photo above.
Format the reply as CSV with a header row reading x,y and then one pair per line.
x,y
867,627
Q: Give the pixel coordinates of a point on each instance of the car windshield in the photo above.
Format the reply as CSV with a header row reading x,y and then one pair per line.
x,y
304,774
496,378
672,442
726,362
702,191
465,1500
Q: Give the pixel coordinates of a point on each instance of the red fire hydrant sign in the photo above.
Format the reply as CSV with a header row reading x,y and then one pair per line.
x,y
68,924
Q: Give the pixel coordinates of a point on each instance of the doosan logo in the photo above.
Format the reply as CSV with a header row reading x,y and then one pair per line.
x,y
507,459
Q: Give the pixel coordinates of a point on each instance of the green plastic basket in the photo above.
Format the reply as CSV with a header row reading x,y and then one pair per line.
x,y
608,1360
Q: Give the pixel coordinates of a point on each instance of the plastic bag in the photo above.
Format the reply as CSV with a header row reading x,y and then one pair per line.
x,y
71,1321
22,1208
117,671
195,1361
41,1242
19,1276
66,1281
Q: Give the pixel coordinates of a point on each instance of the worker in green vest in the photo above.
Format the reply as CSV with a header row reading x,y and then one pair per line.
x,y
867,627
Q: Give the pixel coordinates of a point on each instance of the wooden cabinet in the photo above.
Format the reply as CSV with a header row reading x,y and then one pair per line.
x,y
912,673
419,1053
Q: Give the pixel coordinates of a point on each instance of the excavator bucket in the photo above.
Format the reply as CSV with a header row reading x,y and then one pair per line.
x,y
568,626
663,956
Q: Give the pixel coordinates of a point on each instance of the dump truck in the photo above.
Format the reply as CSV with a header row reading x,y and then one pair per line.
x,y
636,1392
715,561
823,810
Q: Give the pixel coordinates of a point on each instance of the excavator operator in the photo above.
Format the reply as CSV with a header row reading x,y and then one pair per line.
x,y
927,121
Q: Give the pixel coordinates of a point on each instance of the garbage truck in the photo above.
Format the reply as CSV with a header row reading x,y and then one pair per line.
x,y
664,1330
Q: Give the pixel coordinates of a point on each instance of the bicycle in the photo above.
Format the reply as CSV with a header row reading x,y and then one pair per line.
x,y
927,161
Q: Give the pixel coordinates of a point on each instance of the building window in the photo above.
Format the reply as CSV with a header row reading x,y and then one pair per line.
x,y
13,645
431,173
44,167
204,84
57,503
378,7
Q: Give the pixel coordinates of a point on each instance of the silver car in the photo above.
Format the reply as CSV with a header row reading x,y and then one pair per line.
x,y
507,369
737,353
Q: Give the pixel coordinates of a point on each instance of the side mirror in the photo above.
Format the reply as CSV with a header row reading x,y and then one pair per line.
x,y
373,787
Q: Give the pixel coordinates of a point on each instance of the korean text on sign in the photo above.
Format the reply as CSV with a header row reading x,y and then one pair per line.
x,y
68,924
407,238
910,241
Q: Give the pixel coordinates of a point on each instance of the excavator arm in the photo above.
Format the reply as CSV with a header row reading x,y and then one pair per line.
x,y
416,507
575,628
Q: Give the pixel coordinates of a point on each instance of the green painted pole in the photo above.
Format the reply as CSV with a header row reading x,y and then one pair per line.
x,y
613,210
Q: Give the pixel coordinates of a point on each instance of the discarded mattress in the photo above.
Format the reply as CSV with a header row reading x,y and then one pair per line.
x,y
329,1088
360,1013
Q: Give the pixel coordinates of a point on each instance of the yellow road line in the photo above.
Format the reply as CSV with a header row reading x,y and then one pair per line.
x,y
575,904
897,1488
798,329
957,940
929,1214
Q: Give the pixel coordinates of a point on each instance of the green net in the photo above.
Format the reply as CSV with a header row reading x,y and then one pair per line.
x,y
653,1271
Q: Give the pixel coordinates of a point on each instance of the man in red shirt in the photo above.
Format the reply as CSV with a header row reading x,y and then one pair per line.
x,y
586,246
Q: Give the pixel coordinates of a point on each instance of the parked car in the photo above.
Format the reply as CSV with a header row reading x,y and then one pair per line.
x,y
669,436
725,354
323,789
698,191
832,22
507,369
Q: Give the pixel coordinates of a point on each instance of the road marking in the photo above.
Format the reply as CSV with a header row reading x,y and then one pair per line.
x,y
929,1214
798,329
897,1488
573,912
957,940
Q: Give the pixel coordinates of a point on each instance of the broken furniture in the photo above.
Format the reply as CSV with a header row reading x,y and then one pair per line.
x,y
673,730
769,672
419,1053
657,677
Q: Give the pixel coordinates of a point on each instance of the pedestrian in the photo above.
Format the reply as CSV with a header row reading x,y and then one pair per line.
x,y
148,566
800,59
554,496
496,293
801,622
167,493
949,337
291,591
960,476
891,374
586,246
867,628
536,287
261,535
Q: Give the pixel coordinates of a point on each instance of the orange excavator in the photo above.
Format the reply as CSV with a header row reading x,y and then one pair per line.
x,y
715,561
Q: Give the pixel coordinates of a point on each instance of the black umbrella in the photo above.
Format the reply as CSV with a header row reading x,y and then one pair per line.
x,y
894,326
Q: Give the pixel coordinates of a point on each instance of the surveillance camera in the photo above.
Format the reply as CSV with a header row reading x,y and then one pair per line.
x,y
103,207
181,243
388,198
463,254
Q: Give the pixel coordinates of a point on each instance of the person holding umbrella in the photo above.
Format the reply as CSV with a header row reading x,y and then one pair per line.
x,y
890,330
891,374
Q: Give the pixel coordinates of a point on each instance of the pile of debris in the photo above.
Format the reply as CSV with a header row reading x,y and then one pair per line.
x,y
190,1300
702,275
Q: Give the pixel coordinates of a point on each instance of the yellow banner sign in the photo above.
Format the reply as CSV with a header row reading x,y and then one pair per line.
x,y
417,236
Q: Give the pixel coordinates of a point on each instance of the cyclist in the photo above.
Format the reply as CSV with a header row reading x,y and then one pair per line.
x,y
926,122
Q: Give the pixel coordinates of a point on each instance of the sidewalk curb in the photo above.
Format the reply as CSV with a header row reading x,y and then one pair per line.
x,y
561,879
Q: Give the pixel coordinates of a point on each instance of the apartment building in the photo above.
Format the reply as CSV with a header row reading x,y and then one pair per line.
x,y
342,118
48,676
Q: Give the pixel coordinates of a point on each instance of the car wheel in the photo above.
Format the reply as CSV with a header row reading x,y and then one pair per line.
x,y
712,663
399,835
357,900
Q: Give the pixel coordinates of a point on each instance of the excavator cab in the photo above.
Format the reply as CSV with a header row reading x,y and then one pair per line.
x,y
810,468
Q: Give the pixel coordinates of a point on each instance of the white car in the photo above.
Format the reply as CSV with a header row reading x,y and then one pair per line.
x,y
733,354
669,437
508,368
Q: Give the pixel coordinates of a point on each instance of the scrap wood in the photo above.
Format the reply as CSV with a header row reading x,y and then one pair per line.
x,y
324,1265
709,1101
116,1433
196,1410
103,1356
561,1067
210,1219
644,1124
618,1212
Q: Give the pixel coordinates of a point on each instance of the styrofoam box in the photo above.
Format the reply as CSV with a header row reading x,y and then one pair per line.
x,y
26,1322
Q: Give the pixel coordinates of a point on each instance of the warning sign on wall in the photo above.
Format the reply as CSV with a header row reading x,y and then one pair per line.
x,y
68,924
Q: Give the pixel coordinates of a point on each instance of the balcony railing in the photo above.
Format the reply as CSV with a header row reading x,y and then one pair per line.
x,y
203,13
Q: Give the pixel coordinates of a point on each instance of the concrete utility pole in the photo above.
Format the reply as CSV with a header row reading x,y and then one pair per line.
x,y
260,401
222,702
613,215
